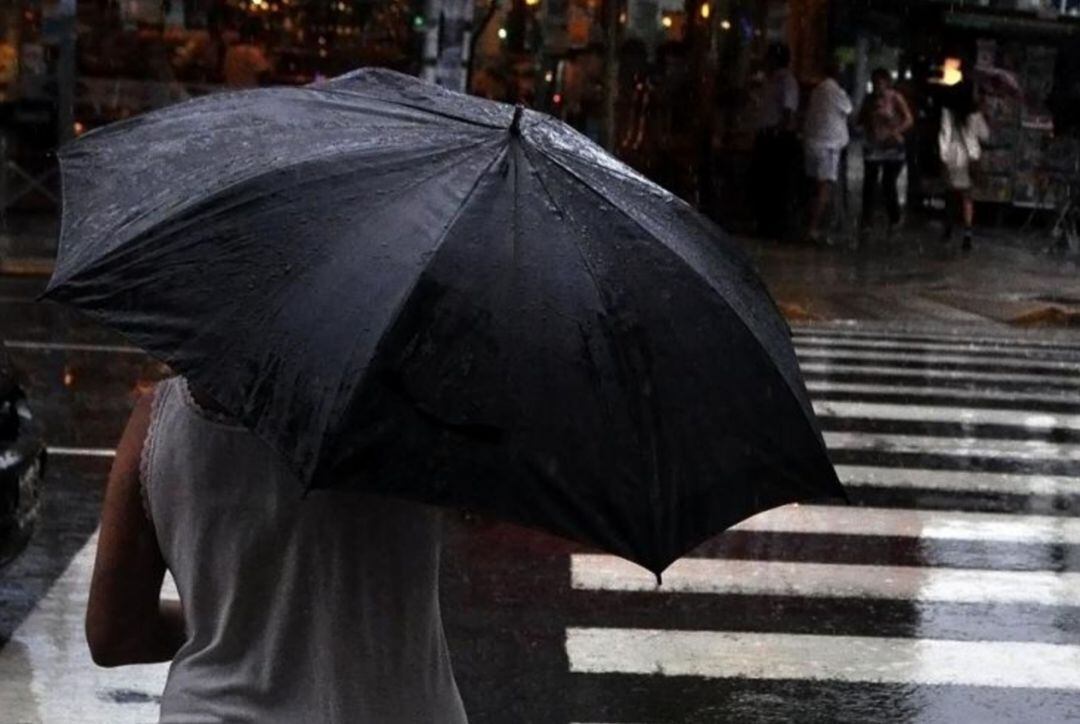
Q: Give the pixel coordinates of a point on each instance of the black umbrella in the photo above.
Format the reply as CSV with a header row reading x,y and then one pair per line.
x,y
446,299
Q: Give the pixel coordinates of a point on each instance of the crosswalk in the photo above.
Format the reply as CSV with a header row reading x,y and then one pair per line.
x,y
950,591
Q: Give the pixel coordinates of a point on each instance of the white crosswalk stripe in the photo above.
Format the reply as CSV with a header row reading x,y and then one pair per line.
x,y
1010,402
868,659
869,476
974,349
915,337
970,416
829,580
81,452
975,379
964,447
30,345
916,523
1004,362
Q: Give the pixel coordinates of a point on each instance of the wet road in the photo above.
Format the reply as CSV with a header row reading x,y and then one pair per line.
x,y
949,593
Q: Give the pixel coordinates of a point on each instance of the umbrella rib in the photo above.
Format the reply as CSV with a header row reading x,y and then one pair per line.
x,y
221,193
429,111
655,490
596,192
123,124
404,301
581,255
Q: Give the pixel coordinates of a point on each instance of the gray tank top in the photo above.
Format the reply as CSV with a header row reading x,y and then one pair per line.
x,y
318,609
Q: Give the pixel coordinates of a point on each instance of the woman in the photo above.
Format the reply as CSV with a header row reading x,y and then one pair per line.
x,y
960,138
884,117
319,608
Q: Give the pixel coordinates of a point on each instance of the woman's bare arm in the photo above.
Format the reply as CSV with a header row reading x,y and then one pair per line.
x,y
907,120
126,620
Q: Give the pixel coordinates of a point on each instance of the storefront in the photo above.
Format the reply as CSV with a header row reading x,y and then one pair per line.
x,y
669,86
68,67
1023,68
1023,64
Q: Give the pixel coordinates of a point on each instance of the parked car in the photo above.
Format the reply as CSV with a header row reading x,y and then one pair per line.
x,y
22,465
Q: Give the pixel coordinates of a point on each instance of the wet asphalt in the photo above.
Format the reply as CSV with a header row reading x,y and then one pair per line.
x,y
950,593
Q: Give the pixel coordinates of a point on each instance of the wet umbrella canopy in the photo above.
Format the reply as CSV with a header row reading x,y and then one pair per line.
x,y
433,296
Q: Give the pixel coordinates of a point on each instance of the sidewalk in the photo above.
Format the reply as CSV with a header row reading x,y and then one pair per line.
x,y
1008,280
28,243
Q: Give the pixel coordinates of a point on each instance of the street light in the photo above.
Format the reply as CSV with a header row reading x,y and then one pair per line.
x,y
950,72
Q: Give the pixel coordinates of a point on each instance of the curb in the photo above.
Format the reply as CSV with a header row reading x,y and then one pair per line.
x,y
1052,315
27,267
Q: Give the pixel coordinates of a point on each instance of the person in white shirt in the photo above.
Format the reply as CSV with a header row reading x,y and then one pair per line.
x,y
960,138
780,101
825,135
775,145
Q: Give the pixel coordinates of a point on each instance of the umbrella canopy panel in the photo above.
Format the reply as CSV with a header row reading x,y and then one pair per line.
x,y
416,293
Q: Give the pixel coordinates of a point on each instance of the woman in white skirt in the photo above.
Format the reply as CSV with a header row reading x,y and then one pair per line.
x,y
963,131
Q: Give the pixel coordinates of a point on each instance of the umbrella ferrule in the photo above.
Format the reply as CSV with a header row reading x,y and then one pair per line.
x,y
515,124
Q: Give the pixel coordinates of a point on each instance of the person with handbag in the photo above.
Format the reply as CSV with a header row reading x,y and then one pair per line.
x,y
962,133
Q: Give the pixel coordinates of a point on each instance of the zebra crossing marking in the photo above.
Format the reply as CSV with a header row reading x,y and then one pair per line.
x,y
914,337
914,392
973,376
25,344
910,661
918,660
86,452
937,413
956,480
916,523
597,572
969,348
1004,362
965,447
867,659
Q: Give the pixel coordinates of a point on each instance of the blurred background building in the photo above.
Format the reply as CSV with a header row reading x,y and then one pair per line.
x,y
671,86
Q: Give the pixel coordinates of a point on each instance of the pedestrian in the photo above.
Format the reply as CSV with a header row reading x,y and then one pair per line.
x,y
775,144
825,136
885,118
245,63
320,607
961,135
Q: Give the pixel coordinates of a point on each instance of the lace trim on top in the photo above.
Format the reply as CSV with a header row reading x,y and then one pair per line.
x,y
147,454
219,418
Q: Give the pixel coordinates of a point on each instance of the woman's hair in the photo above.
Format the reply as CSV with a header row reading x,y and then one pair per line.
x,y
960,99
881,74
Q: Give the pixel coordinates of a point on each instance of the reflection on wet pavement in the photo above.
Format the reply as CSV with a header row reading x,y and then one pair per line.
x,y
47,672
950,592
